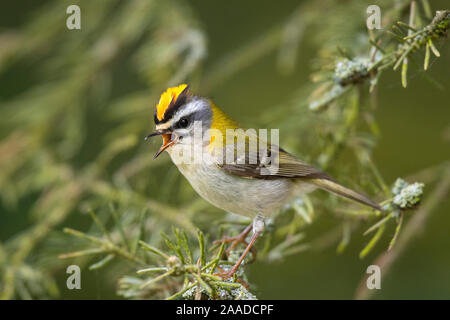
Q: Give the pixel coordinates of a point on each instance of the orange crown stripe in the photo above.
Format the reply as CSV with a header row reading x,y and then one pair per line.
x,y
169,96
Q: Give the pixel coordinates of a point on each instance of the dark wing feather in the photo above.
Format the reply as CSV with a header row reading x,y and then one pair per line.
x,y
290,167
272,165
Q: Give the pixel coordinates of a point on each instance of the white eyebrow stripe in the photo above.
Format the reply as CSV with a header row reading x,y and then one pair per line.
x,y
163,126
190,108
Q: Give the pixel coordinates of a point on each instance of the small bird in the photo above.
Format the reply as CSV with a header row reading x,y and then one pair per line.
x,y
253,182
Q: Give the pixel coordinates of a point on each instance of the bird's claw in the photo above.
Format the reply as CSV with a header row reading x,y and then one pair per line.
x,y
229,274
224,275
234,240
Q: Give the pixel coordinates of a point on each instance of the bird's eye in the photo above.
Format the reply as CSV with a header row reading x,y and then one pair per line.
x,y
183,123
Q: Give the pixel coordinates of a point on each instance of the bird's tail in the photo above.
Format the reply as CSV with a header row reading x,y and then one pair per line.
x,y
334,187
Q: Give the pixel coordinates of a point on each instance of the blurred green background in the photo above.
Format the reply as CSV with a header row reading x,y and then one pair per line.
x,y
66,96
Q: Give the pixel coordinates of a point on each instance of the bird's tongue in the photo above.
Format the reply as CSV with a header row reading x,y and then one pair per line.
x,y
166,139
167,142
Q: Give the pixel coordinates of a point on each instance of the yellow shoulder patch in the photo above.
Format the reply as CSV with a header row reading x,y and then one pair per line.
x,y
169,96
219,125
221,121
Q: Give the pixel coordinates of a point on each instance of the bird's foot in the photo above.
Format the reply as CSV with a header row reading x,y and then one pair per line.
x,y
235,240
229,274
224,274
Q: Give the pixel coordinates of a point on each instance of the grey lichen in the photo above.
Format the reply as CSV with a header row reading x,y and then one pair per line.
x,y
406,195
399,185
335,92
232,293
352,71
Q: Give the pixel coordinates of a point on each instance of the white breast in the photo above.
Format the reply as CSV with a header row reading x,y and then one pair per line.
x,y
243,196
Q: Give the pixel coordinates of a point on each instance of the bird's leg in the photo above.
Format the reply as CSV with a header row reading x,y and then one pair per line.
x,y
258,228
236,240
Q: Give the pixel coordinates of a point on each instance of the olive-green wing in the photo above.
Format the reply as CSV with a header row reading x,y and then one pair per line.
x,y
272,164
276,164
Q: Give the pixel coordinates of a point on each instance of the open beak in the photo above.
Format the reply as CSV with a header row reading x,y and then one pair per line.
x,y
167,140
